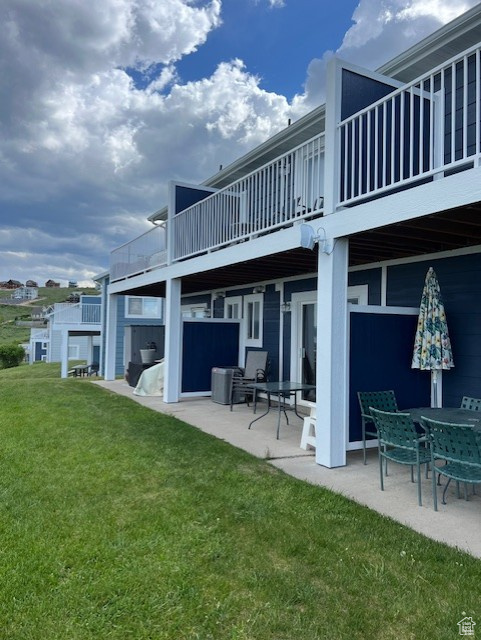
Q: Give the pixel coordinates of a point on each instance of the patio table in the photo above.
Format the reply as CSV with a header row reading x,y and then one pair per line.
x,y
453,415
283,390
81,369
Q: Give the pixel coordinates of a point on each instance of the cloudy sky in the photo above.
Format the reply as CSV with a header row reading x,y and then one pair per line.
x,y
101,103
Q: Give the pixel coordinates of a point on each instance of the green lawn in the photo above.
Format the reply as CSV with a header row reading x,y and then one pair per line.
x,y
117,522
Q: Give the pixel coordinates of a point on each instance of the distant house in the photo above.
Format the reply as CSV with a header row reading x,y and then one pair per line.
x,y
11,284
25,293
31,283
72,284
38,313
52,284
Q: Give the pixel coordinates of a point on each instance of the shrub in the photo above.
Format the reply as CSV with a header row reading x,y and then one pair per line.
x,y
11,355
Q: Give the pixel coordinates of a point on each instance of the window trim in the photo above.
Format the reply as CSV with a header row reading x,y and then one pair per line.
x,y
143,314
252,299
231,301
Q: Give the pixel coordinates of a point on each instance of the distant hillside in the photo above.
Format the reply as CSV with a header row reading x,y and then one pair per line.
x,y
9,313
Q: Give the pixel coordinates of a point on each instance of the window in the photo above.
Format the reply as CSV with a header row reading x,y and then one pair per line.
x,y
73,351
253,317
143,307
233,308
358,294
195,311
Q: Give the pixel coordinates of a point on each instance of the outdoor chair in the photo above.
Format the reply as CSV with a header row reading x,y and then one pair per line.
x,y
254,371
473,404
459,447
383,400
93,369
399,442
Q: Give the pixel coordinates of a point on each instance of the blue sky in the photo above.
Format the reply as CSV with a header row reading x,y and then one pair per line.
x,y
87,152
276,44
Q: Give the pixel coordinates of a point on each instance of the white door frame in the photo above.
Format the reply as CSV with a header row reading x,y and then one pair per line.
x,y
305,297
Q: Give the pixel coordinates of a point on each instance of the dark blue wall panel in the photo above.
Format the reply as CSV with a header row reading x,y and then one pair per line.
x,y
185,197
460,282
206,345
380,359
359,91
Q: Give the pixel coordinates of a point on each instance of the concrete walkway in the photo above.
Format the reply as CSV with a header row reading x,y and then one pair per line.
x,y
458,523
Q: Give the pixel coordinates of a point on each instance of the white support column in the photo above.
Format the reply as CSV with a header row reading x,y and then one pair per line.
x,y
332,341
90,349
173,341
333,116
64,354
111,337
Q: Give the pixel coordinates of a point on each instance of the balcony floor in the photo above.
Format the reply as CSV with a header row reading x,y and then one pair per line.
x,y
455,524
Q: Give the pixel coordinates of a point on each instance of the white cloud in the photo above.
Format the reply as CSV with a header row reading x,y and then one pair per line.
x,y
382,29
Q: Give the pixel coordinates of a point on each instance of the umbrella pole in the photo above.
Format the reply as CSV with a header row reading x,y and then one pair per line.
x,y
436,391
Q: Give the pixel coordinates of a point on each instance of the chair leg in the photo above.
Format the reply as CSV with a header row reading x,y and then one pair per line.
x,y
446,488
434,487
364,441
418,469
380,470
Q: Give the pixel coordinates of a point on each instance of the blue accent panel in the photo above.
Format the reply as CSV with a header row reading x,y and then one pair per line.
x,y
460,282
96,353
39,352
360,91
371,277
380,359
206,345
185,197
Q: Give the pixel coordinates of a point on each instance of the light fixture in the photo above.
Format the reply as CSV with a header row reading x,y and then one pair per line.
x,y
286,307
259,289
309,238
219,294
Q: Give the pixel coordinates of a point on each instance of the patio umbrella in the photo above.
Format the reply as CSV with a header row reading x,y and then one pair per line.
x,y
432,346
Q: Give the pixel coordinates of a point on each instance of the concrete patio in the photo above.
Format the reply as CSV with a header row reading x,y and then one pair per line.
x,y
456,524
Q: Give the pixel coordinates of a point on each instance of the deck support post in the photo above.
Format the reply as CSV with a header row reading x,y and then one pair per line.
x,y
173,340
331,368
111,337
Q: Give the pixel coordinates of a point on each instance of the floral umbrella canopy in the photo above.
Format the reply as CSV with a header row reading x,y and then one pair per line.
x,y
432,346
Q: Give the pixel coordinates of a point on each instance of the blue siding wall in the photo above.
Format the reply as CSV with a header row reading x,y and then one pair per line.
x,y
371,277
271,330
460,282
380,359
206,345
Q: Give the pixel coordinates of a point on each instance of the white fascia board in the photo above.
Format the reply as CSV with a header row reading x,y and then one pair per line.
x,y
440,195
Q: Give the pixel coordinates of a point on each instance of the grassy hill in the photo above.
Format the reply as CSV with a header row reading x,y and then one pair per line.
x,y
9,332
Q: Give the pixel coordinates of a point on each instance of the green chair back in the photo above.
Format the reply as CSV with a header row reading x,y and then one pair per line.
x,y
454,442
395,429
473,404
382,400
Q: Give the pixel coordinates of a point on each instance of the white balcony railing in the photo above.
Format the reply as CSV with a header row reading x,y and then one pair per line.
x,y
144,253
428,126
78,313
285,190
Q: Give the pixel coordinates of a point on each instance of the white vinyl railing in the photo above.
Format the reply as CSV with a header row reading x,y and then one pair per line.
x,y
144,253
77,313
428,126
287,189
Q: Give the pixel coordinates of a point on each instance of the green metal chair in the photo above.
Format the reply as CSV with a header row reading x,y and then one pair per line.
x,y
459,447
473,404
383,400
399,442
